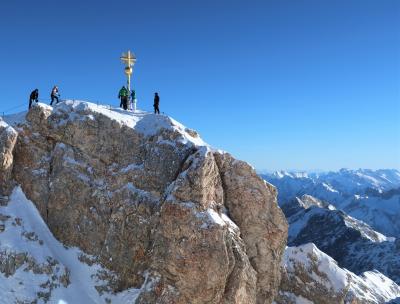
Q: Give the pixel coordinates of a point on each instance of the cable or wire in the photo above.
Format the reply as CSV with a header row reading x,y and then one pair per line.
x,y
23,105
14,108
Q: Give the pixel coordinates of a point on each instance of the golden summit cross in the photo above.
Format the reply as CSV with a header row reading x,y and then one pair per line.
x,y
129,60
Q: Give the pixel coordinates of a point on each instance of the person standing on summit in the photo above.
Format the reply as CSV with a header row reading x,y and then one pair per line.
x,y
156,103
34,97
133,101
123,95
54,95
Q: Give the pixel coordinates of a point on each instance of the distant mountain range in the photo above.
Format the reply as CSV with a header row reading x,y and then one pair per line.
x,y
352,243
372,196
349,216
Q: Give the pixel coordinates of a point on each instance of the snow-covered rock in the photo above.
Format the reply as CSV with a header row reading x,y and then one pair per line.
x,y
310,277
172,218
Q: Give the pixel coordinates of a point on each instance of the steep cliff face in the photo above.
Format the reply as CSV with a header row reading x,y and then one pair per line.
x,y
151,201
8,138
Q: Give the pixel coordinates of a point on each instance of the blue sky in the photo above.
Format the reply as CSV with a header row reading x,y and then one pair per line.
x,y
281,84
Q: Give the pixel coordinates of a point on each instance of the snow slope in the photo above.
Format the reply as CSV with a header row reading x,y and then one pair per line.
x,y
35,266
303,216
311,276
381,211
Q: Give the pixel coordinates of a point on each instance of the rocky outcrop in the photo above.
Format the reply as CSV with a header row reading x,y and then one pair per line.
x,y
8,138
310,276
153,203
263,230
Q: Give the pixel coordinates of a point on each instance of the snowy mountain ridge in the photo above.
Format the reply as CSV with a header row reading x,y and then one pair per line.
x,y
345,181
372,196
142,122
302,210
352,243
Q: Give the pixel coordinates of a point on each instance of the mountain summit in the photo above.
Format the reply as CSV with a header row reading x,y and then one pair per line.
x,y
164,215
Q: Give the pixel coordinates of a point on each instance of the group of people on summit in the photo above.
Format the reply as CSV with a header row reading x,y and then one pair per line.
x,y
54,95
127,100
126,103
123,95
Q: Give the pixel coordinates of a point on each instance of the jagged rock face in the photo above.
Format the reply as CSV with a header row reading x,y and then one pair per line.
x,y
8,138
257,219
310,276
154,205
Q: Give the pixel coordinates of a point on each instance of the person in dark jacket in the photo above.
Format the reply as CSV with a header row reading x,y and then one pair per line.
x,y
123,95
156,103
34,97
54,95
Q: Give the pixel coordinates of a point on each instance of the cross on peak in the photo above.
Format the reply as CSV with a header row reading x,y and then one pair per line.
x,y
128,58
